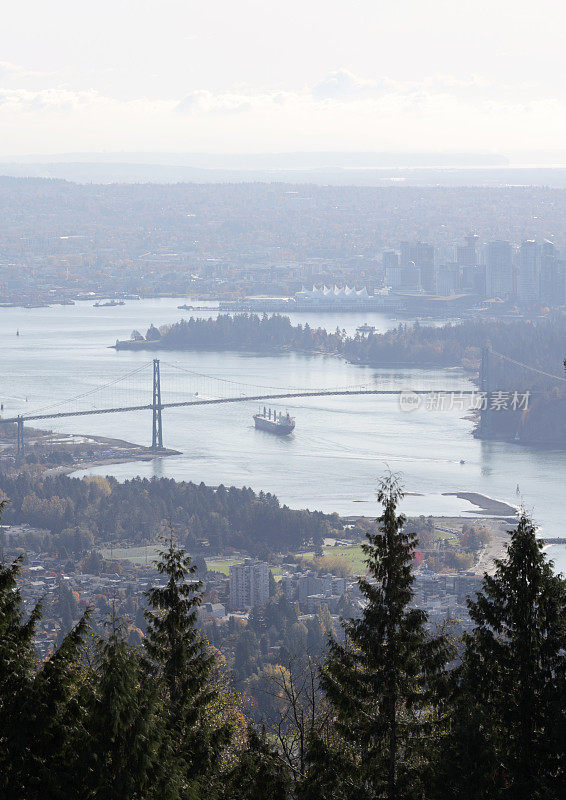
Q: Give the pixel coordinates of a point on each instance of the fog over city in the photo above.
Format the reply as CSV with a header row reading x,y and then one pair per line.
x,y
283,400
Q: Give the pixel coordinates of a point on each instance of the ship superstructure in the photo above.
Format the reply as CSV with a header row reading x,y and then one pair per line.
x,y
274,422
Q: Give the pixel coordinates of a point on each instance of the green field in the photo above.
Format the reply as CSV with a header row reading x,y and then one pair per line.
x,y
352,553
137,555
148,554
222,564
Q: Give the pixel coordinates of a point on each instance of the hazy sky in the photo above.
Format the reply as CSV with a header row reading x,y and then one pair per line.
x,y
263,76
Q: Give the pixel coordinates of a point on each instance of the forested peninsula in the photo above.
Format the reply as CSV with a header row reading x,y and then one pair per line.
x,y
94,511
541,343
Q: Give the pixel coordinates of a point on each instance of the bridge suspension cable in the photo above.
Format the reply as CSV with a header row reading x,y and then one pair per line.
x,y
90,392
297,390
527,366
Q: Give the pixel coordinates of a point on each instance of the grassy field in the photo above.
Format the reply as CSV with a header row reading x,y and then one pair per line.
x,y
137,555
351,553
222,564
148,554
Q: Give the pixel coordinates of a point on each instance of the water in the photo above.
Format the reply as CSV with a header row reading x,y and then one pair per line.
x,y
340,446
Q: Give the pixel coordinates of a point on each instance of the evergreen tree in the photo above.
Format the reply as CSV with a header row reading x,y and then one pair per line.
x,y
17,665
382,681
260,773
124,727
55,716
41,709
509,738
180,659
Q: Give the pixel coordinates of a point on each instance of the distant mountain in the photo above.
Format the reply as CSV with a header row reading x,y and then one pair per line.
x,y
335,168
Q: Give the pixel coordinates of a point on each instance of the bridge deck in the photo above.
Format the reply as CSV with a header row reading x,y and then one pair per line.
x,y
240,399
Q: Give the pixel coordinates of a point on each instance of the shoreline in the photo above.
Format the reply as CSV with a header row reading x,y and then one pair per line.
x,y
489,506
137,452
85,452
63,454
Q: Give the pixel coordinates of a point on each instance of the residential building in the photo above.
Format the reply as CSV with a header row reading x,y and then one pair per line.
x,y
249,584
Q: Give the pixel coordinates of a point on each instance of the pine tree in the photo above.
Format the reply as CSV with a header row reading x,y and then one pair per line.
x,y
124,729
17,665
41,713
514,679
260,773
382,681
55,716
180,659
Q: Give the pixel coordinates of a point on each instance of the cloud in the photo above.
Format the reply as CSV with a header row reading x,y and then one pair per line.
x,y
14,71
49,100
203,101
341,111
344,84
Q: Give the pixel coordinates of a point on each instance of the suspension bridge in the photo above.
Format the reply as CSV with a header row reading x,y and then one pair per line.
x,y
219,391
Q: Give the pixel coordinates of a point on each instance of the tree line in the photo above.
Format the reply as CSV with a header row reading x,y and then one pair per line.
x,y
537,343
82,512
395,709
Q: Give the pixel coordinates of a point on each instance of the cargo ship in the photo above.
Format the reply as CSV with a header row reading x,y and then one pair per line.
x,y
274,422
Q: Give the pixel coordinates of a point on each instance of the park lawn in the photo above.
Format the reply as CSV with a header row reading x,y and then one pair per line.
x,y
137,555
352,553
148,554
222,564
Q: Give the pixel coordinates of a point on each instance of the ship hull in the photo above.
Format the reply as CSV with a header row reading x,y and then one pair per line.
x,y
283,428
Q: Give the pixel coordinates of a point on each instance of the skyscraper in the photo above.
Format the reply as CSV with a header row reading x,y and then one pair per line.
x,y
391,269
424,259
418,265
529,272
552,278
499,269
466,255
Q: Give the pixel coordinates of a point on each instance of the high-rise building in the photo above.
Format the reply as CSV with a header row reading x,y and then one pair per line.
x,y
552,278
407,253
529,272
499,269
390,259
249,584
424,259
421,256
391,269
447,279
411,278
467,255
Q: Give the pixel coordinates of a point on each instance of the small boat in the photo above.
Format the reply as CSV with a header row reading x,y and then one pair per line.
x,y
281,424
365,328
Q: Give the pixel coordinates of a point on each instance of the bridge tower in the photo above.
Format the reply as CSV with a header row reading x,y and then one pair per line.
x,y
485,381
20,444
157,435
